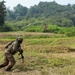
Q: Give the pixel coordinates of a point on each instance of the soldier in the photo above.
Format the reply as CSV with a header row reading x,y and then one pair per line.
x,y
11,49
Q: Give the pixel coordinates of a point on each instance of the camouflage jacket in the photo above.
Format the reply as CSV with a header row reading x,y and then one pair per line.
x,y
13,48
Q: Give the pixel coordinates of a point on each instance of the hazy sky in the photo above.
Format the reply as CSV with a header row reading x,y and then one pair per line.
x,y
28,3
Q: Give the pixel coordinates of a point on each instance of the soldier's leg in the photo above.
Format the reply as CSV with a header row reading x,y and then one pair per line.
x,y
11,62
5,63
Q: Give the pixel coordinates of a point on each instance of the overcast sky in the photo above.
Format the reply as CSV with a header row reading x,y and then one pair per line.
x,y
28,3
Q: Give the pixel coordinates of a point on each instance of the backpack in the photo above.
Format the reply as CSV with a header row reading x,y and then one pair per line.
x,y
9,44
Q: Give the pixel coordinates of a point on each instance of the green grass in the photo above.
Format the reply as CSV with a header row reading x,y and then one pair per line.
x,y
50,56
29,35
46,63
1,56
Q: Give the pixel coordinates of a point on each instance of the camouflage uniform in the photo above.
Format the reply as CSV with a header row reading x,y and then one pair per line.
x,y
9,60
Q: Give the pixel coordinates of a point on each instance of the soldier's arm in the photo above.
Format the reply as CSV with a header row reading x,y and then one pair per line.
x,y
18,48
21,53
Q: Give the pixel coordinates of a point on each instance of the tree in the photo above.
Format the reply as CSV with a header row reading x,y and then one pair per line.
x,y
20,10
67,22
2,13
10,15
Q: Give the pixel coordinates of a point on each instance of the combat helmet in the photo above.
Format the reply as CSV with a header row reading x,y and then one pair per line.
x,y
19,39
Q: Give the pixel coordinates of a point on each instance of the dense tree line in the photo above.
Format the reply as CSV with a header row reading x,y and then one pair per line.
x,y
3,26
61,15
18,13
44,17
2,13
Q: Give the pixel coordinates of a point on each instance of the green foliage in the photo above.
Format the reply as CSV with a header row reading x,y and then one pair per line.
x,y
63,14
34,29
17,13
70,31
10,15
19,10
2,12
44,17
5,28
38,26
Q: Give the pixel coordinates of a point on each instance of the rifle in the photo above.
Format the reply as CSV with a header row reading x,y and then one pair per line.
x,y
21,53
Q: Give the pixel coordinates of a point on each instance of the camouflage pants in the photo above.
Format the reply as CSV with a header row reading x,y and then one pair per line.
x,y
9,61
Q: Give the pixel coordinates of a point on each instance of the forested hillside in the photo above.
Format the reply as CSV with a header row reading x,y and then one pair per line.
x,y
51,12
44,17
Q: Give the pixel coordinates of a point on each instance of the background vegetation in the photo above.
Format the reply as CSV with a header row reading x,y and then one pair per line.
x,y
48,30
44,17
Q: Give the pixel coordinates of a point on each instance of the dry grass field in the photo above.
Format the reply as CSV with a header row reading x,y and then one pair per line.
x,y
45,54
